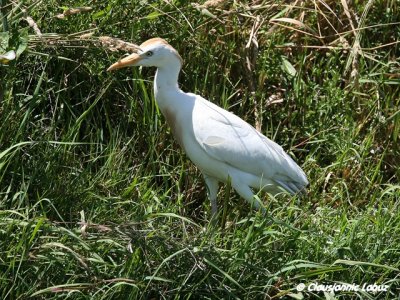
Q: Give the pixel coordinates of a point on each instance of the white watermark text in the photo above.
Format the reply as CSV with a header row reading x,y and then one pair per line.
x,y
342,287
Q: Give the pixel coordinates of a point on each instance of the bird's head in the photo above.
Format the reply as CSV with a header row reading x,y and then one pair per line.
x,y
155,52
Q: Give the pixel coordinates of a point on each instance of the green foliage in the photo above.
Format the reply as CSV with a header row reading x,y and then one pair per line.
x,y
97,201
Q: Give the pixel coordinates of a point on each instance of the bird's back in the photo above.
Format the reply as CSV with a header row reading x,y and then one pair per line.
x,y
229,139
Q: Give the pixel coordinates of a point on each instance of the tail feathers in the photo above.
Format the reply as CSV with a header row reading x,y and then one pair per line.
x,y
291,186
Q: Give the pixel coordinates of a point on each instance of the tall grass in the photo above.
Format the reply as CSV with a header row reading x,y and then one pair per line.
x,y
97,201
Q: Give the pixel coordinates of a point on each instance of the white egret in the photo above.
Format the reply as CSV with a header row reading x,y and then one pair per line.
x,y
220,144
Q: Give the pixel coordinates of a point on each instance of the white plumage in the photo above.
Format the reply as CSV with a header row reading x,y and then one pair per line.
x,y
220,144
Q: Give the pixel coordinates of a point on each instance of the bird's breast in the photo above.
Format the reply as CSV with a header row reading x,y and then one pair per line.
x,y
173,123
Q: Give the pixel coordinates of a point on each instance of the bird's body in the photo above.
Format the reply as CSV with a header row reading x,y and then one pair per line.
x,y
220,144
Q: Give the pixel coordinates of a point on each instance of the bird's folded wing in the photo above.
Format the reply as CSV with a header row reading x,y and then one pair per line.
x,y
228,138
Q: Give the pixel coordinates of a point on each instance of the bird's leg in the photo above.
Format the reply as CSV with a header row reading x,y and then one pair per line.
x,y
212,188
247,193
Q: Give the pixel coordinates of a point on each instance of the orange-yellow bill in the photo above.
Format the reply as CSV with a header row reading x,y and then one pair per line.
x,y
125,62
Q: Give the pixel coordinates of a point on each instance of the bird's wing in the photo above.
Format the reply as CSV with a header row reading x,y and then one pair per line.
x,y
228,138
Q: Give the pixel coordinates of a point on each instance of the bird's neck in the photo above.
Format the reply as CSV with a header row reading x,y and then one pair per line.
x,y
166,81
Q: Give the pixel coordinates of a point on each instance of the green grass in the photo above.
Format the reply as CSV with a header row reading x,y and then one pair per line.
x,y
97,201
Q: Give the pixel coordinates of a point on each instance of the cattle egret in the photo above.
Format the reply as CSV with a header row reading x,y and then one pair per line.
x,y
222,145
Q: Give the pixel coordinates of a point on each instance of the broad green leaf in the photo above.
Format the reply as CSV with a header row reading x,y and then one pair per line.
x,y
23,43
288,67
153,15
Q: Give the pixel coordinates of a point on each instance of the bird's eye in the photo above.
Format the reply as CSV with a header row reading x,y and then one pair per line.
x,y
149,53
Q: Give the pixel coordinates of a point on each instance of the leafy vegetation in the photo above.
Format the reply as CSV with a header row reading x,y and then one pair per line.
x,y
97,201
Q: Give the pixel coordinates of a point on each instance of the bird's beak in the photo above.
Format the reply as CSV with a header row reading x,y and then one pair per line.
x,y
125,62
